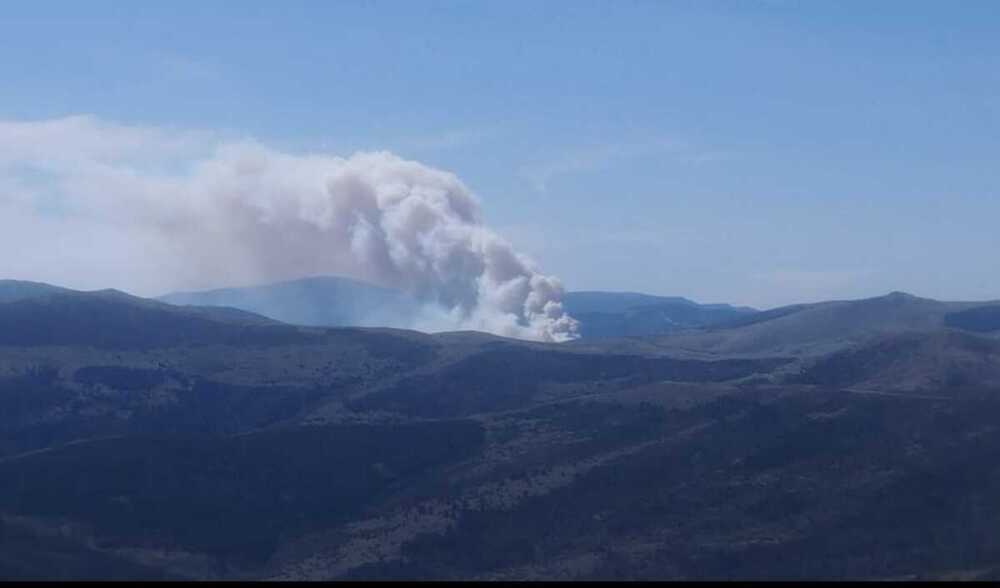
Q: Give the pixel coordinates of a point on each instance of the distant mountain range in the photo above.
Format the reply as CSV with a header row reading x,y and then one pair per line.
x,y
629,314
626,321
326,301
330,301
839,440
335,301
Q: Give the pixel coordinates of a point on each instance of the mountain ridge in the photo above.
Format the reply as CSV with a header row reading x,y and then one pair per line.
x,y
149,441
340,301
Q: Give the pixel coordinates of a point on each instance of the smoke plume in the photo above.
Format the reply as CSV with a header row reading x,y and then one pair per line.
x,y
210,212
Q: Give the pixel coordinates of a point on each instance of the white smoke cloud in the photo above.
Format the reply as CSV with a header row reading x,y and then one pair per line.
x,y
173,209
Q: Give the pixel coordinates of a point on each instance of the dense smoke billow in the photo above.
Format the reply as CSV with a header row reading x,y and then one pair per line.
x,y
246,213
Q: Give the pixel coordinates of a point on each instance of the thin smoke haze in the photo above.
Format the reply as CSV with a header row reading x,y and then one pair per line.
x,y
187,209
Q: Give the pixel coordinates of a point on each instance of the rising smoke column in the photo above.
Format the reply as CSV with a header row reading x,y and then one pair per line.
x,y
376,217
241,212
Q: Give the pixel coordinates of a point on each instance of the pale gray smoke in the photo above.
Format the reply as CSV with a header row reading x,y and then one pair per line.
x,y
241,213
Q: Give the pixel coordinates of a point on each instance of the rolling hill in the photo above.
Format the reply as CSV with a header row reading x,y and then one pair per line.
x,y
937,361
14,290
810,329
109,318
841,440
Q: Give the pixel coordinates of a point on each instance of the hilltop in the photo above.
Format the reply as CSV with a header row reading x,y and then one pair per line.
x,y
144,440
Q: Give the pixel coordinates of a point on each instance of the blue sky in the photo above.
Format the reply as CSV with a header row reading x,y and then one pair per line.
x,y
754,152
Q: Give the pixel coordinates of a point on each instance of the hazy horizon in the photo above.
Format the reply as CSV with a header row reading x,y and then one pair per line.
x,y
750,153
697,290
